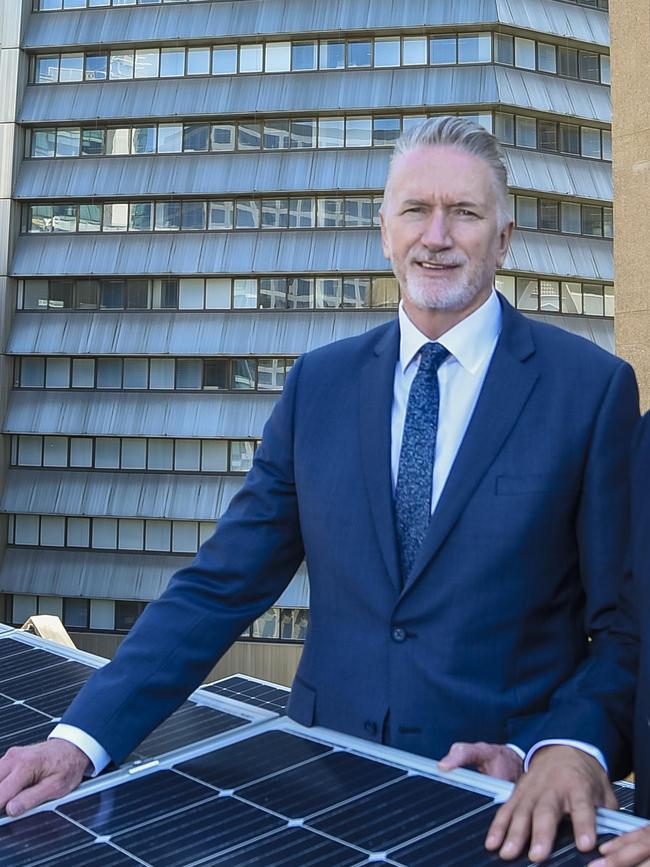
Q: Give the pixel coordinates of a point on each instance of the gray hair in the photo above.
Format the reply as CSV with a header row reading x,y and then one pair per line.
x,y
466,135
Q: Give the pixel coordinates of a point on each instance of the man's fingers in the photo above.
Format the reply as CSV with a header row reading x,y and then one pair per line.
x,y
629,850
460,755
583,819
500,823
610,799
545,819
518,833
32,796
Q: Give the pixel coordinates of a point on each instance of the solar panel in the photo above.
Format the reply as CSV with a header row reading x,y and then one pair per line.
x,y
249,690
38,680
625,793
261,791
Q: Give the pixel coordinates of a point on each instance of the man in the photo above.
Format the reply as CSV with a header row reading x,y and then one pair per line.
x,y
424,631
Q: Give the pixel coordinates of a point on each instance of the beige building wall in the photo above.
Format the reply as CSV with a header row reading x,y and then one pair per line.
x,y
630,48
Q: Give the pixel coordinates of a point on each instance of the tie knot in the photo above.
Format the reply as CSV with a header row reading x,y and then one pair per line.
x,y
431,356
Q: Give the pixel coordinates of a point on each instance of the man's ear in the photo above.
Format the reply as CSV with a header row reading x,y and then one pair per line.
x,y
385,243
504,242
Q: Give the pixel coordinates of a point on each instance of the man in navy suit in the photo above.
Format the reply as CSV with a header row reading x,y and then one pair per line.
x,y
453,481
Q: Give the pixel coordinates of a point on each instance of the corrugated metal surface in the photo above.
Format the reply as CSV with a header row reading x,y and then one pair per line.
x,y
250,19
560,19
185,334
95,575
561,255
119,495
598,331
138,415
276,252
550,93
247,94
279,173
553,173
278,17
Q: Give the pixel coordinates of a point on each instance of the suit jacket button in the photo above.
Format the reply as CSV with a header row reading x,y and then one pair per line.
x,y
398,634
370,727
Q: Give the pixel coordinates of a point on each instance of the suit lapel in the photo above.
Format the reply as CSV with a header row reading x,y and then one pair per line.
x,y
375,408
510,379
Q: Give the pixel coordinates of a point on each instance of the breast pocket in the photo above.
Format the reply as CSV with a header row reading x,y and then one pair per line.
x,y
540,483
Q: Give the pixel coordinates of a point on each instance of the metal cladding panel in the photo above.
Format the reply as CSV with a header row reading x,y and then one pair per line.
x,y
202,333
561,255
138,415
598,331
353,90
96,575
248,18
172,496
550,93
546,16
277,252
553,173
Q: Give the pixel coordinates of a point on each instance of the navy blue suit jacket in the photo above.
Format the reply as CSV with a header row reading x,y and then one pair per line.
x,y
521,563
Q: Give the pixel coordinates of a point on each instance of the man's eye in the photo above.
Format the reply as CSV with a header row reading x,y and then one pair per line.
x,y
465,213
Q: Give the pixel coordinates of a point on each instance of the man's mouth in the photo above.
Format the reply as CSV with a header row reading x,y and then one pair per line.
x,y
437,266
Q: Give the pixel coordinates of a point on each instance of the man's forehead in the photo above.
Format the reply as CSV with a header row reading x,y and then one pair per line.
x,y
442,170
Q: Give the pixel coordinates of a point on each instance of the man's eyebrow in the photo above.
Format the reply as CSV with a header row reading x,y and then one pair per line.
x,y
458,204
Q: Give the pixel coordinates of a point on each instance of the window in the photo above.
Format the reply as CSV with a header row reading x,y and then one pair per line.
x,y
475,48
141,217
221,215
527,293
504,49
168,216
83,373
109,373
130,534
605,70
332,55
247,214
143,140
121,64
303,133
593,299
330,213
526,212
386,130
567,61
524,53
193,215
52,531
505,284
76,613
300,292
78,533
134,453
569,138
331,132
276,134
116,217
196,137
217,293
184,536
104,533
223,136
60,294
358,212
136,373
172,62
158,535
92,142
241,455
442,50
117,141
96,67
302,213
359,53
249,136
57,373
385,292
71,67
589,66
160,454
592,221
414,50
29,451
244,374
547,139
224,60
549,296
275,213
590,142
187,454
273,294
570,217
504,127
571,297
250,58
358,132
607,144
147,63
546,59
161,373
67,142
81,452
35,294
549,215
198,61
304,55
64,218
387,51
170,138
107,453
188,373
216,375
328,292
32,372
214,456
277,57
126,613
244,294
526,130
43,142
608,222
191,293
356,291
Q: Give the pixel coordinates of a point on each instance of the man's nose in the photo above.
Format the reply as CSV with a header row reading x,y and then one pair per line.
x,y
435,234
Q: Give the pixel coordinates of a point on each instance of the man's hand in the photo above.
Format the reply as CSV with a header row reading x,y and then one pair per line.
x,y
31,775
561,780
628,850
496,760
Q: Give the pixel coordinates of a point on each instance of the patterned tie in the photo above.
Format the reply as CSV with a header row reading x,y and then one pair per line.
x,y
415,471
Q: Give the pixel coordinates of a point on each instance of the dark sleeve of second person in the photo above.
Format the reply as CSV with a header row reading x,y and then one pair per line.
x,y
236,576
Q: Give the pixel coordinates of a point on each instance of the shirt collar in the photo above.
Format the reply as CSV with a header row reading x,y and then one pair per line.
x,y
470,341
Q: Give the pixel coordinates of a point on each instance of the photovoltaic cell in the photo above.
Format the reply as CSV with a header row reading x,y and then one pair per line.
x,y
328,781
252,692
55,703
45,680
142,800
17,718
252,759
410,807
27,841
293,847
95,855
10,647
625,797
24,663
194,833
189,724
29,736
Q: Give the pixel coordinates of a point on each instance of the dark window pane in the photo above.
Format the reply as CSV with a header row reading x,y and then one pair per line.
x,y
143,140
196,137
64,218
168,215
276,134
547,135
328,292
76,613
300,293
61,294
216,374
169,294
126,613
275,213
247,214
137,294
272,294
332,55
141,217
592,220
569,138
549,215
249,136
223,137
356,291
303,55
244,374
358,212
96,67
43,142
589,66
567,61
193,215
302,213
504,127
86,294
111,294
92,142
386,130
330,213
90,218
504,49
303,134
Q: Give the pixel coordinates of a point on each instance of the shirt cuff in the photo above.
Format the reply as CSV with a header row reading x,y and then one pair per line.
x,y
578,745
518,750
98,756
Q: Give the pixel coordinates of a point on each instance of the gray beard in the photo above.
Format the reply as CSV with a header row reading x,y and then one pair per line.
x,y
449,298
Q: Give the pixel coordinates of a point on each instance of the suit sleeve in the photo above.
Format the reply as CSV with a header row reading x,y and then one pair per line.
x,y
236,576
595,705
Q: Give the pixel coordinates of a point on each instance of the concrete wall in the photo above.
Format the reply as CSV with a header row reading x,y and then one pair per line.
x,y
630,47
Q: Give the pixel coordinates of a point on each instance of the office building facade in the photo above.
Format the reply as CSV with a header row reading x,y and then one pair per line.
x,y
189,199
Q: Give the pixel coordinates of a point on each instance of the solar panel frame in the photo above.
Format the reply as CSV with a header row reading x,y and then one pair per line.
x,y
251,691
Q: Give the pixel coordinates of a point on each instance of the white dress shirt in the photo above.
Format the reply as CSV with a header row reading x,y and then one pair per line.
x,y
471,344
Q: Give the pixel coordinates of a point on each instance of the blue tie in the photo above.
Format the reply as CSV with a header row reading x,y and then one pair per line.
x,y
415,471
